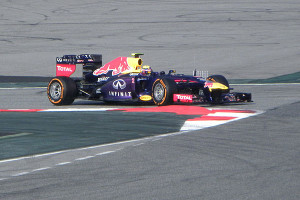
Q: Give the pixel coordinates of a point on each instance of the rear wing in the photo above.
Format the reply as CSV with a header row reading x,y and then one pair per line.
x,y
66,65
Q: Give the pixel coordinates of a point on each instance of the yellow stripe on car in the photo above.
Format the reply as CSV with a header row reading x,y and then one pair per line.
x,y
217,86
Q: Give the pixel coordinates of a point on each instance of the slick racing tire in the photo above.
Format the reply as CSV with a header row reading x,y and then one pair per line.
x,y
163,90
61,91
217,94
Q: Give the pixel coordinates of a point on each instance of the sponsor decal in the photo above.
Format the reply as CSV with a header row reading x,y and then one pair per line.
x,y
119,84
215,86
103,79
208,84
98,91
65,69
146,98
64,60
83,56
117,66
142,79
183,98
119,94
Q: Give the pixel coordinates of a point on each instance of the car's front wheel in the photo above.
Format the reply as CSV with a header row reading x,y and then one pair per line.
x,y
61,91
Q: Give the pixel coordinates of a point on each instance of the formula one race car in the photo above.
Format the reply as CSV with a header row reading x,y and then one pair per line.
x,y
125,79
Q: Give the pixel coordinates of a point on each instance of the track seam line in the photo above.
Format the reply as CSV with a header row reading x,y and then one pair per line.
x,y
139,144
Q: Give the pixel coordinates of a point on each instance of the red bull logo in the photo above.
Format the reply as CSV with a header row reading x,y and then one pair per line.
x,y
117,66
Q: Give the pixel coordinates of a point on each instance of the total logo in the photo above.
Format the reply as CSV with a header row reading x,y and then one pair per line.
x,y
64,69
119,84
182,98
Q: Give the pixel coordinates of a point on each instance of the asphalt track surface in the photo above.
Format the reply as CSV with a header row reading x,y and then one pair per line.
x,y
253,158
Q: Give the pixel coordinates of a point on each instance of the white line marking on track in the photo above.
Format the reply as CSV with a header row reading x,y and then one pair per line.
x,y
21,173
62,163
41,169
104,153
48,154
84,158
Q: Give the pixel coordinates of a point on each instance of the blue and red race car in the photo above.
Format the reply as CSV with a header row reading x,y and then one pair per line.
x,y
126,79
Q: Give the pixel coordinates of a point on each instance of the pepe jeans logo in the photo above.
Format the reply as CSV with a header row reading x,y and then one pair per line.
x,y
119,84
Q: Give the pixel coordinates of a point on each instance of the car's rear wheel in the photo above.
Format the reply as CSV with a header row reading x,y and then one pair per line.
x,y
163,90
61,91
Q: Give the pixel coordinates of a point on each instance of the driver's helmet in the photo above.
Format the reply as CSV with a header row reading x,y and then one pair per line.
x,y
146,70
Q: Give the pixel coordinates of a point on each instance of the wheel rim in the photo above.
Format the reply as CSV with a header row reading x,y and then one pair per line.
x,y
159,92
55,91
